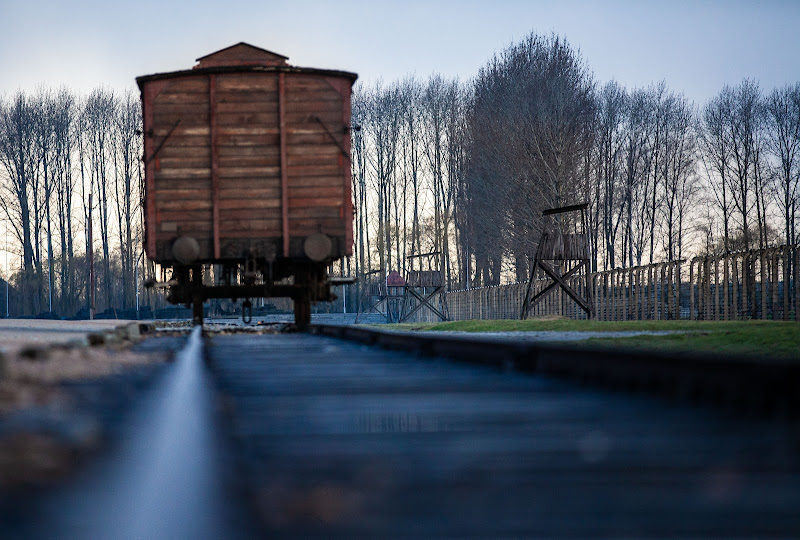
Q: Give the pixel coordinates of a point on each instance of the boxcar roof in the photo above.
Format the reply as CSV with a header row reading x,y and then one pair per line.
x,y
243,57
244,51
244,69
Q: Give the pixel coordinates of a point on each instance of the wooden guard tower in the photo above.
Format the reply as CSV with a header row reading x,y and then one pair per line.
x,y
426,285
386,297
562,255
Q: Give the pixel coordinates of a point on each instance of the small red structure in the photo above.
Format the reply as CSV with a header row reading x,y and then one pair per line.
x,y
395,284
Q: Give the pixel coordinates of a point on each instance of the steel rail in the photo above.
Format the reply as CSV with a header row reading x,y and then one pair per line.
x,y
766,387
164,478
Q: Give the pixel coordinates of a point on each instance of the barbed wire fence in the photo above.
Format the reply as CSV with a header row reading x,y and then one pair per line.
x,y
757,284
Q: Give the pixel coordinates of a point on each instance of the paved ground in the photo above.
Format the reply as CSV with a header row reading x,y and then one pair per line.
x,y
17,333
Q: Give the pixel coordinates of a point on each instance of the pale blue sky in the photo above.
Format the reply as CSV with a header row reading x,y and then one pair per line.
x,y
697,47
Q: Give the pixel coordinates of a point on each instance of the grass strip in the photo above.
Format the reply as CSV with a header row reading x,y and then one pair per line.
x,y
773,340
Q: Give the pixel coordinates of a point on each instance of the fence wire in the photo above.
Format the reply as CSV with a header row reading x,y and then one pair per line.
x,y
758,284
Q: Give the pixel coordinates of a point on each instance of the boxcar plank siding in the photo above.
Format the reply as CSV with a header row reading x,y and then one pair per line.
x,y
183,162
244,118
184,226
247,157
179,131
182,98
252,234
311,202
252,204
309,226
309,213
184,152
253,96
302,83
327,150
183,183
245,213
183,140
197,85
246,140
232,192
167,204
245,161
302,117
315,96
315,170
252,183
249,224
248,151
190,215
254,107
310,160
310,192
247,82
181,194
315,136
248,172
254,130
162,188
171,172
315,181
188,116
317,107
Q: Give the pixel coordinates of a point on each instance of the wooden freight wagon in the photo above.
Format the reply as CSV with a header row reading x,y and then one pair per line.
x,y
247,168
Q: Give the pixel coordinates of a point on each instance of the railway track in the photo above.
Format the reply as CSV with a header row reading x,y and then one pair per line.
x,y
343,438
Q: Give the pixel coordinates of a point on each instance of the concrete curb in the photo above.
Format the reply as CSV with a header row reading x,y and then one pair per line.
x,y
740,384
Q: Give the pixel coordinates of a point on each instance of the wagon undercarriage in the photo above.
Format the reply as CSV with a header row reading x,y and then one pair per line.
x,y
300,280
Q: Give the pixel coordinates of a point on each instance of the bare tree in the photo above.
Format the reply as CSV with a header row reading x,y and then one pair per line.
x,y
609,145
359,113
783,127
99,121
127,143
65,136
679,173
717,154
383,124
636,170
441,122
17,155
530,125
743,132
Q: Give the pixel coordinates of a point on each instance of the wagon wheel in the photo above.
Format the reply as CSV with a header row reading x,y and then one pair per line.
x,y
302,312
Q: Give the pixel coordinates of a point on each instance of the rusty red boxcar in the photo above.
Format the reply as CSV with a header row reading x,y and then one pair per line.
x,y
247,171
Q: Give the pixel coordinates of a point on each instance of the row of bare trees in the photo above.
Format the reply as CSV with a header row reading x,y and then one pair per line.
x,y
750,151
408,156
467,168
439,165
67,161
